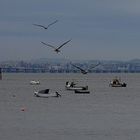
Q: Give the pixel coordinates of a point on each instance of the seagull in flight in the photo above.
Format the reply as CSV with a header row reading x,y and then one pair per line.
x,y
56,49
46,27
84,71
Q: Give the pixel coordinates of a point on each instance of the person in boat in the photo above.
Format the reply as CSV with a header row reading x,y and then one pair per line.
x,y
72,84
115,81
67,82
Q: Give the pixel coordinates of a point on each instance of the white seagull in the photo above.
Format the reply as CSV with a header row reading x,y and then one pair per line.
x,y
46,27
56,49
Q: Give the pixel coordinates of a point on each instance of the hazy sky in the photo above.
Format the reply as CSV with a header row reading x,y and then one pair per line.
x,y
99,29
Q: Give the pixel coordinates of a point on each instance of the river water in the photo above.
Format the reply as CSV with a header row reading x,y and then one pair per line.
x,y
106,113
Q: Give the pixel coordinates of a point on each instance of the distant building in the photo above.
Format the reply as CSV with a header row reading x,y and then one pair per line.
x,y
66,67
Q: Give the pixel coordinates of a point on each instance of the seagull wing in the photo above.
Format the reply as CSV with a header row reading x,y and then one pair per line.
x,y
52,23
63,44
48,45
95,65
39,25
78,68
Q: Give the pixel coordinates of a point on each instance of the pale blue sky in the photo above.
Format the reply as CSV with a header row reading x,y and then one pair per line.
x,y
99,29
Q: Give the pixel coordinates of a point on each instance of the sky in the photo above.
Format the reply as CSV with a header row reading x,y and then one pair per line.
x,y
99,29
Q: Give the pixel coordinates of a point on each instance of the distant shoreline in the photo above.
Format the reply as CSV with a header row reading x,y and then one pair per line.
x,y
62,66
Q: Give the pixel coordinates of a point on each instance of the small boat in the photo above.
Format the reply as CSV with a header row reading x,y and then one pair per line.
x,y
72,86
82,91
45,93
117,83
34,82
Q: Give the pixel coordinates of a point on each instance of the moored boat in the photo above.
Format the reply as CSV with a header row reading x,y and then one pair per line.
x,y
72,86
45,93
117,83
34,82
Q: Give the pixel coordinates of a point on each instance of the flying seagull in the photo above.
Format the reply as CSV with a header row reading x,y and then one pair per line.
x,y
56,49
46,27
82,70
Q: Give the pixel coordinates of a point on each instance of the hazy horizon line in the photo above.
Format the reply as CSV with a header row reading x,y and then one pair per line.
x,y
62,59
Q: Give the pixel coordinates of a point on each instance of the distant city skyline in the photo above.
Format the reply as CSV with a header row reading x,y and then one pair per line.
x,y
100,30
63,66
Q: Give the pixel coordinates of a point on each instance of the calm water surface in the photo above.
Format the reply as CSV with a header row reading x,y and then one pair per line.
x,y
105,114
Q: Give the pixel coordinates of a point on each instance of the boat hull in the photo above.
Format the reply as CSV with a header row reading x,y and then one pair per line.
x,y
76,88
55,94
82,92
118,85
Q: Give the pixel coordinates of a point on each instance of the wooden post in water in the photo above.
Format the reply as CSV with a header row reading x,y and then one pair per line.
x,y
0,74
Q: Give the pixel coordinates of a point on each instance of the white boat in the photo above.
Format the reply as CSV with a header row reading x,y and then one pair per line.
x,y
34,82
72,86
45,93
